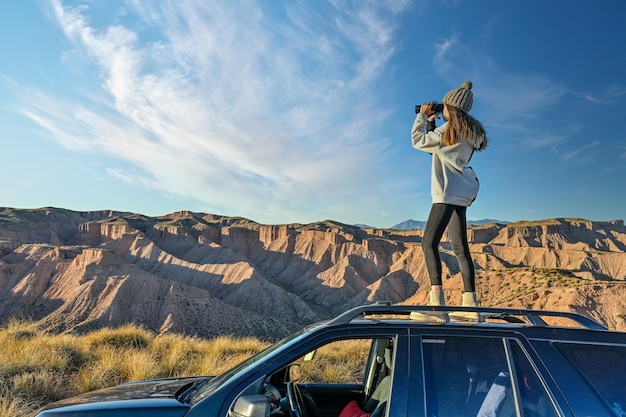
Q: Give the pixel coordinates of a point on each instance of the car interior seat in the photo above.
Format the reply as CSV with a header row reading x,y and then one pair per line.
x,y
376,403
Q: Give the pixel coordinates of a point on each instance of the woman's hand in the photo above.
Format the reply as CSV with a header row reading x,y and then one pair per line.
x,y
427,109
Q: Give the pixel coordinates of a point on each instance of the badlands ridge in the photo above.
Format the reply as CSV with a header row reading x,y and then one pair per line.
x,y
207,275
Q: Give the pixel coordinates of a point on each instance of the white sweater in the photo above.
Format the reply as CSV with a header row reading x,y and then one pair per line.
x,y
452,181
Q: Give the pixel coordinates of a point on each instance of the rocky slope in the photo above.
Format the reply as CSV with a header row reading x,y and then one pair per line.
x,y
203,274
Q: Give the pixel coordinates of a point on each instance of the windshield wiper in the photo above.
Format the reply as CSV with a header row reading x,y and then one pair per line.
x,y
183,393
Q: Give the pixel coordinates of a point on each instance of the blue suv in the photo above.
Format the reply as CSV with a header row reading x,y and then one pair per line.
x,y
398,360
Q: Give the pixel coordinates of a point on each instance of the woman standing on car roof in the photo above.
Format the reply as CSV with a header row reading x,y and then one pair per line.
x,y
454,185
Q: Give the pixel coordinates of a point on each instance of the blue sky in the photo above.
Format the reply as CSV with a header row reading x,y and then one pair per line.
x,y
300,111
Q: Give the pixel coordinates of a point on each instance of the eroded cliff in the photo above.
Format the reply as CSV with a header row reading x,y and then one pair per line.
x,y
204,274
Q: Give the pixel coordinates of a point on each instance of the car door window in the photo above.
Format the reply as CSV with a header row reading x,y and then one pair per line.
x,y
535,401
347,377
603,367
339,362
471,376
459,372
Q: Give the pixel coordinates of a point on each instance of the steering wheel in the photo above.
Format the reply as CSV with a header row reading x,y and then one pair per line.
x,y
271,392
296,403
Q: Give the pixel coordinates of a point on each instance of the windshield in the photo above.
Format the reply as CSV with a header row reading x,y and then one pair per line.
x,y
209,386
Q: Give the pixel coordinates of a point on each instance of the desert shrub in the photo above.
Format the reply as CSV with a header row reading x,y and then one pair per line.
x,y
40,387
86,380
353,350
223,352
36,352
127,336
14,405
137,365
227,345
177,355
37,367
323,370
338,362
217,363
104,369
340,372
69,348
18,329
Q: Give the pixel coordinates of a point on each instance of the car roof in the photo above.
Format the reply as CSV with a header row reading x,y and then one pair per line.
x,y
535,324
383,310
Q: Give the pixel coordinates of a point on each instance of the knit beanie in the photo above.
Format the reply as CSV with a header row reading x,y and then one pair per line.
x,y
461,98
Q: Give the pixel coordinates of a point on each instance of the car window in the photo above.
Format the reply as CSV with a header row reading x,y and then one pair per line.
x,y
603,367
534,398
459,373
341,377
342,361
353,377
470,376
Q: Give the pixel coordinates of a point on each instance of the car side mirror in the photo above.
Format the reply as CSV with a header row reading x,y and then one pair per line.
x,y
295,372
257,405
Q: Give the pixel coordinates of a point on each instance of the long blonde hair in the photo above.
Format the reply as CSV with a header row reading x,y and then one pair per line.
x,y
462,126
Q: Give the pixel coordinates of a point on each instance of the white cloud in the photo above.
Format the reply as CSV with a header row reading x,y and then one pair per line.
x,y
442,49
573,153
233,105
610,96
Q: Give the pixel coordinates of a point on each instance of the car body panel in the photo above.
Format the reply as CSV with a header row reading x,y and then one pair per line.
x,y
162,407
569,393
154,395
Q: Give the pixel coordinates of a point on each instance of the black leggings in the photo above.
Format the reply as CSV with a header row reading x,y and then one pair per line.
x,y
452,217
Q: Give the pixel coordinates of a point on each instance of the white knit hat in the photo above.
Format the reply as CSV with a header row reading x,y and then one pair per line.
x,y
461,98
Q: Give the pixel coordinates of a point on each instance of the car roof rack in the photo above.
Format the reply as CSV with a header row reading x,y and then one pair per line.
x,y
508,315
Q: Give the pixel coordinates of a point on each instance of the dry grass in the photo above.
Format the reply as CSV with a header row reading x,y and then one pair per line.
x,y
37,368
13,404
338,362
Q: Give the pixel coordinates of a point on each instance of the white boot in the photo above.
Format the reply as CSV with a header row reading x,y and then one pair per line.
x,y
469,300
436,299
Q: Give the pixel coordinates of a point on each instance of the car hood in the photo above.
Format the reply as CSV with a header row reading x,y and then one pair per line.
x,y
149,394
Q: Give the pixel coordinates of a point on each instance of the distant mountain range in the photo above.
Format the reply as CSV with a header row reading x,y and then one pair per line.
x,y
421,225
208,275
